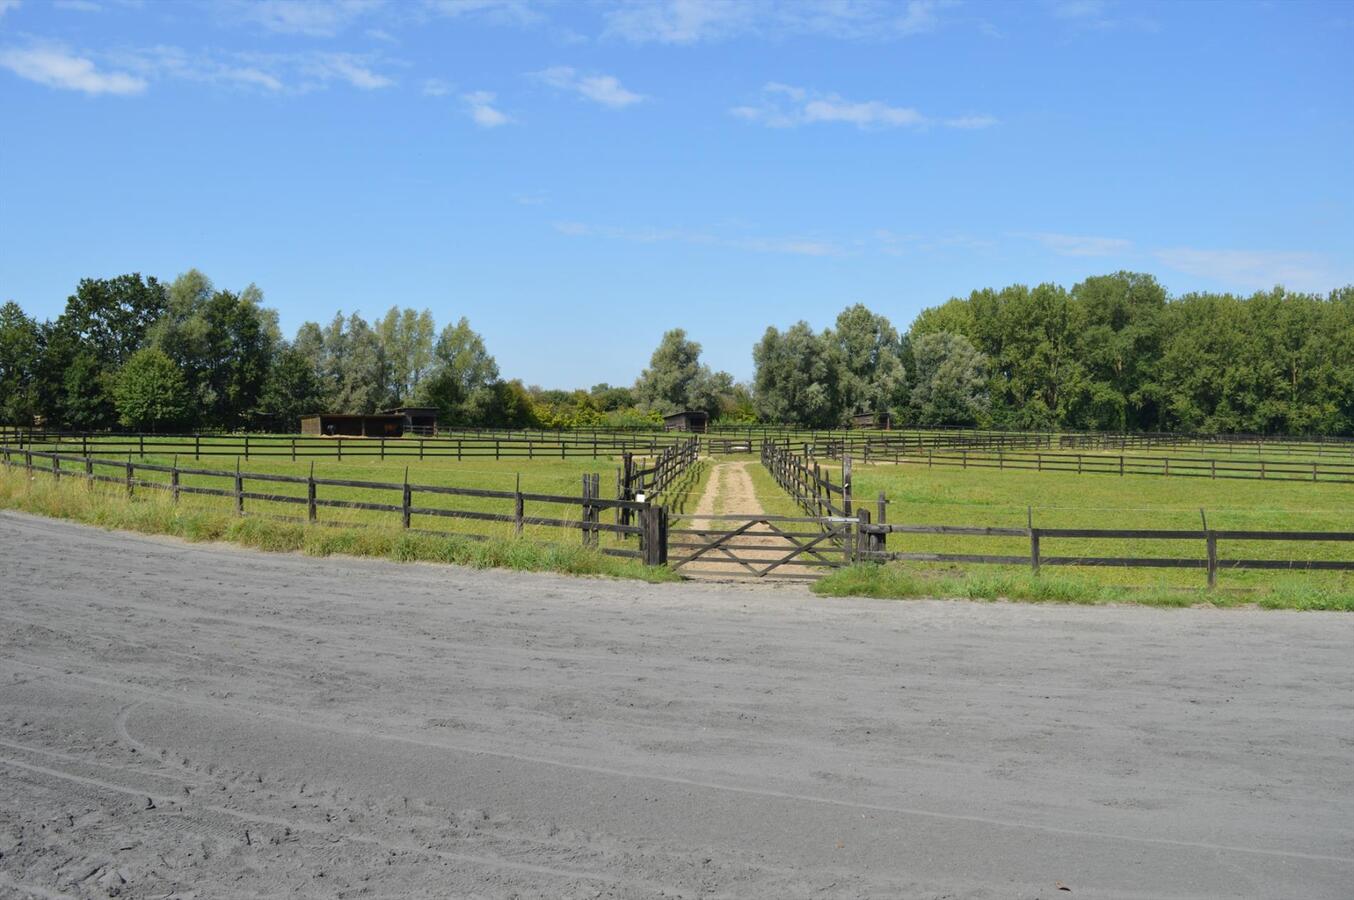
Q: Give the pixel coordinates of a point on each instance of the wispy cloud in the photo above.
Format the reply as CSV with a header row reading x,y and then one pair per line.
x,y
436,87
7,5
312,18
1097,15
293,73
1079,244
787,106
1254,269
480,104
971,122
78,5
58,68
499,12
604,89
795,246
693,21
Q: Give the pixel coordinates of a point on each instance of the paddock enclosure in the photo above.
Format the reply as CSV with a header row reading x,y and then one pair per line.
x,y
1137,509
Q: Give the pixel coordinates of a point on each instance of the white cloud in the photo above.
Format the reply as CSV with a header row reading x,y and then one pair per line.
x,y
692,21
1255,269
345,67
497,12
436,87
787,106
603,89
971,122
482,110
294,73
7,5
57,68
313,18
1080,245
78,5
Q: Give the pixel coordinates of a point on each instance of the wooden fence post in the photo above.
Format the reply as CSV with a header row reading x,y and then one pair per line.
x,y
56,469
197,447
311,507
89,472
587,509
517,507
881,539
846,486
408,498
239,489
1034,539
174,481
863,538
129,476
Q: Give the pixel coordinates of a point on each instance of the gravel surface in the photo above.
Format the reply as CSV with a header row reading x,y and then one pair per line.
x,y
203,721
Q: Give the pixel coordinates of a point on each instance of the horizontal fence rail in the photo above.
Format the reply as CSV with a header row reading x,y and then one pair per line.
x,y
1108,464
1036,558
650,527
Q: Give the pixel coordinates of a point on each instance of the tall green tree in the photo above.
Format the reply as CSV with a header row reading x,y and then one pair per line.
x,y
796,379
949,385
407,339
872,378
461,382
150,392
223,342
20,353
292,390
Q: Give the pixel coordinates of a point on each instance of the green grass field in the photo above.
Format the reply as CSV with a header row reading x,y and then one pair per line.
x,y
552,476
918,495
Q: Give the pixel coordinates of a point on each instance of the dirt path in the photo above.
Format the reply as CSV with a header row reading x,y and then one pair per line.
x,y
184,720
729,491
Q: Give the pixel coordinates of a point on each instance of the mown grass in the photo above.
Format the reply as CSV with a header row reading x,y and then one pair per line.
x,y
197,521
918,495
562,477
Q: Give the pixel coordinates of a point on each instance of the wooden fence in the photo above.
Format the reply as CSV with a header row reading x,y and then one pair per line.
x,y
874,536
651,526
1121,464
562,445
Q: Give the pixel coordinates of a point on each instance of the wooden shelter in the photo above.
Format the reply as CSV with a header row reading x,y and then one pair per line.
x,y
417,419
881,421
353,424
691,420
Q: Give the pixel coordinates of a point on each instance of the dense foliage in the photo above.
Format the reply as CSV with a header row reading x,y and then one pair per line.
x,y
1114,352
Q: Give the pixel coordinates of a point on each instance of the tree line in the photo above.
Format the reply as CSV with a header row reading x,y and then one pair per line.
x,y
1115,352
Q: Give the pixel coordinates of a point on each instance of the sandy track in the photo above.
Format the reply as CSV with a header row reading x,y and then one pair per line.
x,y
202,721
730,490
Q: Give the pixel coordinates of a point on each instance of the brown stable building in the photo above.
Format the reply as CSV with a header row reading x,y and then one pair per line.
x,y
691,420
881,421
354,424
417,419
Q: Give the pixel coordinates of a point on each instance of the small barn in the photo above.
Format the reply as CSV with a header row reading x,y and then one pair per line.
x,y
417,419
881,421
691,420
353,424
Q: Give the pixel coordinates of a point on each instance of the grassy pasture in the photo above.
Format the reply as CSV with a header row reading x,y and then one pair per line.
x,y
978,497
546,475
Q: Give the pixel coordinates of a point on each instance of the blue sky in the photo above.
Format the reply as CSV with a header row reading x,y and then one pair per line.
x,y
577,177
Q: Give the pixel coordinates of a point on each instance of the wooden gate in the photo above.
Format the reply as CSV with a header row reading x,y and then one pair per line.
x,y
765,546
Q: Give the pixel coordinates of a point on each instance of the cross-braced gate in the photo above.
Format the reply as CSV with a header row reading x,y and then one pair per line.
x,y
761,546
